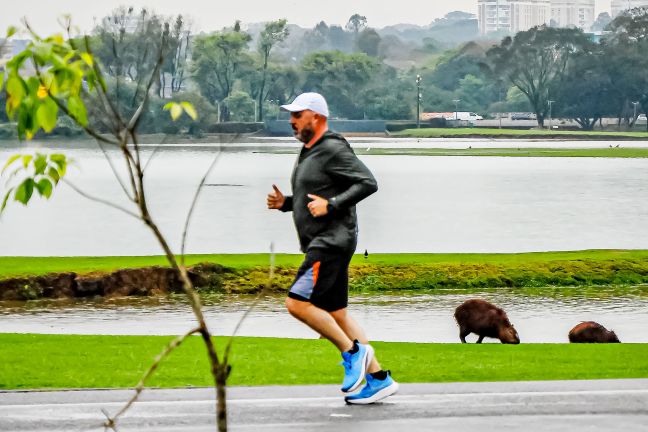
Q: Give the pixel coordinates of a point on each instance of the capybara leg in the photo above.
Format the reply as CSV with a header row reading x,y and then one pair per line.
x,y
462,334
481,338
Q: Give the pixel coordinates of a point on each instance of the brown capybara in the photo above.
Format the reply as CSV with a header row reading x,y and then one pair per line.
x,y
485,320
592,332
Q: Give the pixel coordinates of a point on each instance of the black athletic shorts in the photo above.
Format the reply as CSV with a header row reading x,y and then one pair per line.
x,y
323,279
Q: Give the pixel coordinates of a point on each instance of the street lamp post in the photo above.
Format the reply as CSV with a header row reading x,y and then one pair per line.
x,y
550,102
634,118
456,102
418,101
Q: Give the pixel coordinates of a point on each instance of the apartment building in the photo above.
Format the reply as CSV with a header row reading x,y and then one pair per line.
x,y
518,15
512,15
573,13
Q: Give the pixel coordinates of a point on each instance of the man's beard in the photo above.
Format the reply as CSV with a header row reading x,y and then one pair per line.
x,y
305,135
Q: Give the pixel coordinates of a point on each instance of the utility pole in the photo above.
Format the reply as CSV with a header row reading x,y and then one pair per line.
x,y
456,102
418,101
550,103
634,118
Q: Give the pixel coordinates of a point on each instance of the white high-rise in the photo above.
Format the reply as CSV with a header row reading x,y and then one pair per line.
x,y
573,13
493,16
619,6
512,15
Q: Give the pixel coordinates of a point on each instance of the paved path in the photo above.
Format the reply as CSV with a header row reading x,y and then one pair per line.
x,y
606,405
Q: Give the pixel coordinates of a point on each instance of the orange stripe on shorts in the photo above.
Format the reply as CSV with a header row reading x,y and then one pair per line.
x,y
316,267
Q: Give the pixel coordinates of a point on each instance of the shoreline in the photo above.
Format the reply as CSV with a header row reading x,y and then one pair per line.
x,y
30,278
444,133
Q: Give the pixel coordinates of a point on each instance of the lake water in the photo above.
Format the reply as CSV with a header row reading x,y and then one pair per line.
x,y
413,318
425,204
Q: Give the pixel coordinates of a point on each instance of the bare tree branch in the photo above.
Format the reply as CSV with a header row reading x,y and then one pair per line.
x,y
134,121
175,343
193,204
99,200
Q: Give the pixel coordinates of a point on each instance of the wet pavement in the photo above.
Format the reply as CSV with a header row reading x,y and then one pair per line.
x,y
603,405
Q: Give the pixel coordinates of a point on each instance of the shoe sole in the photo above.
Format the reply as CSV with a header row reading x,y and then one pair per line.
x,y
382,394
366,361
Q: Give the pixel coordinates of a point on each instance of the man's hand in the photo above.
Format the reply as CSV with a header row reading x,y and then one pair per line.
x,y
276,199
317,207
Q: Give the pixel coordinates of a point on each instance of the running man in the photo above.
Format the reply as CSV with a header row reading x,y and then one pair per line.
x,y
327,182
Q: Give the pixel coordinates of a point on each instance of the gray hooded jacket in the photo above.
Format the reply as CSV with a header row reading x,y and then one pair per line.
x,y
329,169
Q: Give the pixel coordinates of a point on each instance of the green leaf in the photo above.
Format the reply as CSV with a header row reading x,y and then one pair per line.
x,y
87,58
4,201
46,114
40,163
54,175
44,187
190,110
2,74
61,161
15,93
11,160
24,191
11,31
77,109
26,159
176,110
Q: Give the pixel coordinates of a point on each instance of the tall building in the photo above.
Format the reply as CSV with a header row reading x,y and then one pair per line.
x,y
573,13
512,15
493,16
619,6
529,13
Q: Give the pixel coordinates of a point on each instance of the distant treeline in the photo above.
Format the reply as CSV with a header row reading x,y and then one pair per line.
x,y
244,74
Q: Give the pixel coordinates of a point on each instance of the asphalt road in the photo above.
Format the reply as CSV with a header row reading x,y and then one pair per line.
x,y
606,405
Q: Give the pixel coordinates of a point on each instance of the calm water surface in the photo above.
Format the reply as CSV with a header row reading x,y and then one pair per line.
x,y
413,318
425,204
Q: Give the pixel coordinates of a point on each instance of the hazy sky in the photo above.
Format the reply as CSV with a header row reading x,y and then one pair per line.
x,y
213,15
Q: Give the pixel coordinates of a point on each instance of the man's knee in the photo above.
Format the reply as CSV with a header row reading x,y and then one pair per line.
x,y
296,307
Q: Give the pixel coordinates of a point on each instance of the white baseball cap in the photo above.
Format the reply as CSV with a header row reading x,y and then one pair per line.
x,y
308,101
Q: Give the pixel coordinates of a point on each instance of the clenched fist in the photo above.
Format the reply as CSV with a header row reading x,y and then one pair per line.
x,y
275,198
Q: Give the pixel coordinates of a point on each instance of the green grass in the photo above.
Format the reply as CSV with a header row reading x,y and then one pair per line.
x,y
624,270
516,152
62,361
33,266
516,133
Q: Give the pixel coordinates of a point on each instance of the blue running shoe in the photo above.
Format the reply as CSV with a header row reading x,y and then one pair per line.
x,y
374,391
355,366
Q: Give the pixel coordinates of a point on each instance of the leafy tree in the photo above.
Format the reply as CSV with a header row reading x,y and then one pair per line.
x,y
127,42
585,91
240,106
273,33
218,61
342,78
368,42
535,61
356,23
602,21
625,47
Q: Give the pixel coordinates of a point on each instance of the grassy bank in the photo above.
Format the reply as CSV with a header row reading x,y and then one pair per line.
x,y
61,361
613,152
388,272
518,133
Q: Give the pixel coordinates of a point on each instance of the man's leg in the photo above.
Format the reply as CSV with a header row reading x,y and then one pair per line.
x,y
353,331
321,321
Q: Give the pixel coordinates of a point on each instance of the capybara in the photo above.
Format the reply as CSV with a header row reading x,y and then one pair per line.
x,y
485,320
592,332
